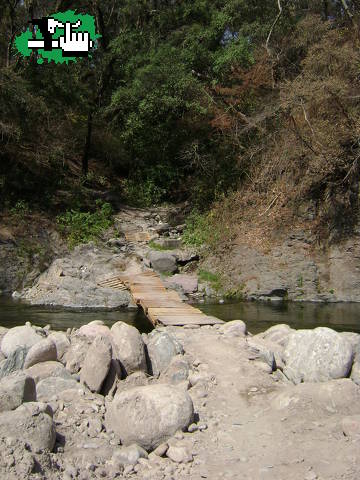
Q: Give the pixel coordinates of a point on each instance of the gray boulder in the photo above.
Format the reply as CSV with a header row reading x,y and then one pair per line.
x,y
128,455
15,390
75,355
317,356
19,337
162,262
40,371
129,347
354,340
96,364
50,387
44,351
62,344
34,428
149,415
278,334
355,373
14,362
161,348
177,371
235,328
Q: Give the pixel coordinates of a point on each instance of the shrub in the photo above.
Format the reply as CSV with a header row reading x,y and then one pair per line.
x,y
82,227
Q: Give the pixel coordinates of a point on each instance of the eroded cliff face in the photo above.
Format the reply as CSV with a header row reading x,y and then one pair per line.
x,y
294,268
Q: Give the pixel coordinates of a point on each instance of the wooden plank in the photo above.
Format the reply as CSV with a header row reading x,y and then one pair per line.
x,y
175,311
178,320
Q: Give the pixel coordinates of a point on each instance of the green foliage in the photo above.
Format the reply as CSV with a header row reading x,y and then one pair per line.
x,y
213,278
236,293
82,227
158,247
200,230
20,209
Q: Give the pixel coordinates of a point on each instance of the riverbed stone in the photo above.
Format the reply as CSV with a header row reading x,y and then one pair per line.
x,y
161,348
75,355
128,455
317,355
50,387
43,370
179,454
162,262
355,372
278,334
96,364
94,329
149,415
235,328
14,362
187,283
44,351
16,337
37,430
62,344
129,347
177,371
16,389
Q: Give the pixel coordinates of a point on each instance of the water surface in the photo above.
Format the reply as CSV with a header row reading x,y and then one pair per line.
x,y
258,316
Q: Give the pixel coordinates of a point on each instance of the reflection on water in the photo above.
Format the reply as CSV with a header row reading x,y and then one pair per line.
x,y
13,313
258,316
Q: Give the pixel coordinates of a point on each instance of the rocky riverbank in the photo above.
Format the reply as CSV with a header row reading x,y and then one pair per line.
x,y
209,402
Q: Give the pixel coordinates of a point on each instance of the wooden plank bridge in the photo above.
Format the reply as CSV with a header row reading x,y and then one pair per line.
x,y
160,305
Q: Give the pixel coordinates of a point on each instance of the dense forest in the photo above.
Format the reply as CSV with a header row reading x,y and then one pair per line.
x,y
235,105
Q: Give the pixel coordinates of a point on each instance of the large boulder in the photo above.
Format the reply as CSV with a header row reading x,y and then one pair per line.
x,y
94,329
235,328
186,283
36,428
76,354
177,371
50,387
129,347
149,415
96,364
40,371
19,337
161,348
163,262
355,372
62,344
15,390
278,334
14,362
317,356
44,351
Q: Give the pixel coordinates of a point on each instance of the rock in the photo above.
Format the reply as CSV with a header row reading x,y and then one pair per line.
x,y
341,396
351,426
44,351
94,329
177,371
129,455
149,415
317,356
50,387
355,373
15,390
36,430
47,369
62,344
14,362
259,350
136,379
161,348
75,355
236,328
187,283
113,377
161,450
19,337
162,262
179,454
354,340
96,364
72,281
278,334
34,408
129,347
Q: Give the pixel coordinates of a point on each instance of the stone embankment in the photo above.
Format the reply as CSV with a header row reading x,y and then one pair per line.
x,y
209,402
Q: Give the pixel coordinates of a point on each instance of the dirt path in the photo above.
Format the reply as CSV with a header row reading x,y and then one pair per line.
x,y
247,437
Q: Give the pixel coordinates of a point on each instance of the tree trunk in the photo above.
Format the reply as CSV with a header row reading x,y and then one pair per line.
x,y
85,158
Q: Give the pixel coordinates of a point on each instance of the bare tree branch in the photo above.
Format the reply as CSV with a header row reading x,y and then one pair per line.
x,y
273,26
